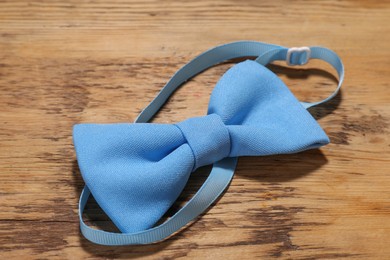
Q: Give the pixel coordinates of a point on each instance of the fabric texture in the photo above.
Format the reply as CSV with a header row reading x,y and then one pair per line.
x,y
136,171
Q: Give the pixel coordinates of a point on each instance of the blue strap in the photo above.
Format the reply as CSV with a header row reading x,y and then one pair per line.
x,y
222,171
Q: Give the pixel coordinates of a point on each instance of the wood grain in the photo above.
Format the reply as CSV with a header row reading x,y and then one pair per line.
x,y
66,62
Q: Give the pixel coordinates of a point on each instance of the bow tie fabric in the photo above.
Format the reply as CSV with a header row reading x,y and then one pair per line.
x,y
136,171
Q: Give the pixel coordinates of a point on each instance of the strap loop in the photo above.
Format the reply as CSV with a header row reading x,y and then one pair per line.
x,y
222,171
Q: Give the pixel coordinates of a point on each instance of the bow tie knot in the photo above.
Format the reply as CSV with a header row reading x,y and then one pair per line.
x,y
208,138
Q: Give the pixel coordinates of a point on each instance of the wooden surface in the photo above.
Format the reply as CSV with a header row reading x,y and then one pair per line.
x,y
66,62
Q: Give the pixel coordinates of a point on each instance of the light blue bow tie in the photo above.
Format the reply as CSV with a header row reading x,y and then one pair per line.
x,y
137,171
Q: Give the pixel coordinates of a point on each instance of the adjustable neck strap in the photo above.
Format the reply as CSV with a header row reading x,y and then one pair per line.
x,y
222,171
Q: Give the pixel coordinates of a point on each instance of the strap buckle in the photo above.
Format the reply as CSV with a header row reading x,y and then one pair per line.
x,y
298,56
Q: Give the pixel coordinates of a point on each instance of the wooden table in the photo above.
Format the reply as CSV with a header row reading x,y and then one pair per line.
x,y
66,62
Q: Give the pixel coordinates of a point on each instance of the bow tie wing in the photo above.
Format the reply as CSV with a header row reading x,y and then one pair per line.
x,y
262,115
134,171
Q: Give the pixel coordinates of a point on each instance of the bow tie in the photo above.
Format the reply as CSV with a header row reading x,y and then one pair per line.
x,y
136,171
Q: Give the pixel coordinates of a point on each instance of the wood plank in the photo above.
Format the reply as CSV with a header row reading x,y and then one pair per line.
x,y
63,63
